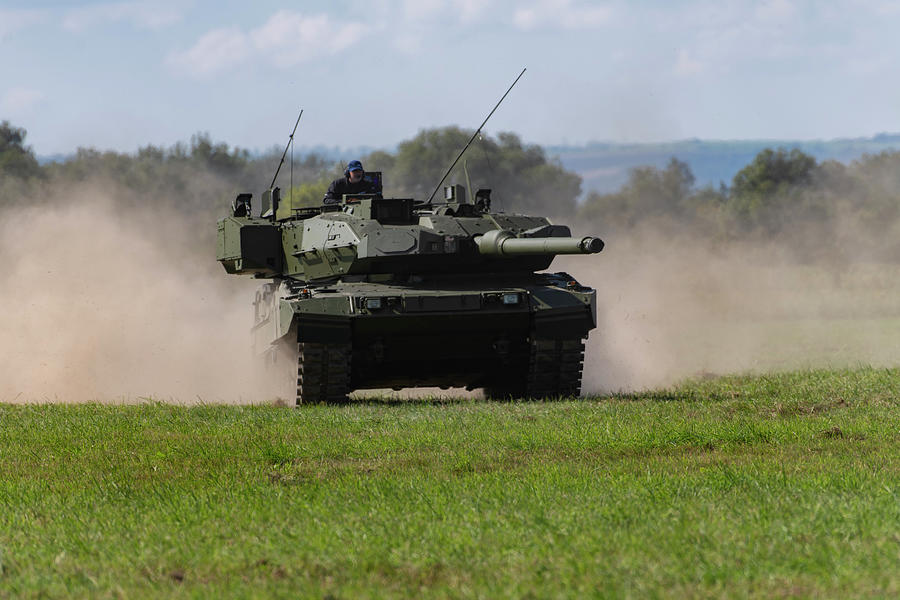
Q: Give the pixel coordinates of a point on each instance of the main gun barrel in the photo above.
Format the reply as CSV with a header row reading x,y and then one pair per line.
x,y
504,243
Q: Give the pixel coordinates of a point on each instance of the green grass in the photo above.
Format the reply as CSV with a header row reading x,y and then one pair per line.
x,y
775,486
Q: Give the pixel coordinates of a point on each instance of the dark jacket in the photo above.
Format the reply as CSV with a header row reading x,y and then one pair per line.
x,y
342,185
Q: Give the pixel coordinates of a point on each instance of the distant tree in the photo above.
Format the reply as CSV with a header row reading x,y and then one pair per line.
x,y
705,211
151,153
307,194
774,170
769,189
420,162
649,194
217,156
520,176
871,185
16,159
381,160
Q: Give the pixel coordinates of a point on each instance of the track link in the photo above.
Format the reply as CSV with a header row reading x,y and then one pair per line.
x,y
555,368
551,369
323,373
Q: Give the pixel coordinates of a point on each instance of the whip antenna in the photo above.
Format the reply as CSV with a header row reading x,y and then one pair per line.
x,y
474,135
283,154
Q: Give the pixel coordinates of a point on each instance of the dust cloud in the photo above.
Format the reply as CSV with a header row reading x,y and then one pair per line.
x,y
105,303
675,305
113,298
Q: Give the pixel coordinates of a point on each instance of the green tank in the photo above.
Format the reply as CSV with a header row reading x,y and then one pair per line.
x,y
374,292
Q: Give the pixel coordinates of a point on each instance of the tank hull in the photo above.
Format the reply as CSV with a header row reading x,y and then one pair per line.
x,y
496,333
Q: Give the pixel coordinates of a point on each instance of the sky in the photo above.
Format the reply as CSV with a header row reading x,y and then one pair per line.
x,y
121,75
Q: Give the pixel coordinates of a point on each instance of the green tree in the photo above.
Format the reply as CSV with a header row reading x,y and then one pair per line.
x,y
217,156
773,171
306,195
871,187
649,194
521,177
773,189
16,159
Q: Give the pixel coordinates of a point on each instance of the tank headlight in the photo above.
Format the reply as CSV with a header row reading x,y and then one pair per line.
x,y
373,303
510,299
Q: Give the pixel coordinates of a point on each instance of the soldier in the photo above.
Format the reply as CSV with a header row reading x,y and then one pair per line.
x,y
353,182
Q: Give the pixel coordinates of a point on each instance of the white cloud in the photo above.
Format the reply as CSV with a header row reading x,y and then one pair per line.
x,y
286,39
418,20
409,42
869,65
14,20
686,66
143,15
214,52
878,7
290,38
717,38
470,11
775,10
454,11
420,10
20,100
561,14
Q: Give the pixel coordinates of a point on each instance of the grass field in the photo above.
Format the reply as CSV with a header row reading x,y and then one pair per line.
x,y
765,486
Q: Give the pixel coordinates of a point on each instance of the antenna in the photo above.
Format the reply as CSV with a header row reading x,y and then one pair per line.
x,y
283,154
291,207
472,139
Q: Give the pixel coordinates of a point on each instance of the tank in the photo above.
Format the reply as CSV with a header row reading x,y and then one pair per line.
x,y
376,292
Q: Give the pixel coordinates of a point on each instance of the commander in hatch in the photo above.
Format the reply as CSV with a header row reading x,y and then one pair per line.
x,y
353,182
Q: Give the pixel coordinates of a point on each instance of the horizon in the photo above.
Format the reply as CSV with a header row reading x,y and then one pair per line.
x,y
886,137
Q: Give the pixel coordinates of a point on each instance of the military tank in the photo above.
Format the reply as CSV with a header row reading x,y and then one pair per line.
x,y
375,292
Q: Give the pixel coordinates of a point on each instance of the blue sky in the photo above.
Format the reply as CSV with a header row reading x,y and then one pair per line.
x,y
120,75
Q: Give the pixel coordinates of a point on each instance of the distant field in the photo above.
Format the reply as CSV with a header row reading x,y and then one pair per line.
x,y
771,486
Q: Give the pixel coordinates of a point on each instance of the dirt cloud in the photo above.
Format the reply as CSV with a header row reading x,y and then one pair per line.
x,y
112,297
108,303
675,305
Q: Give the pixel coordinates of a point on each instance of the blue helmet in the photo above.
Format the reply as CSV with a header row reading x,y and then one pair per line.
x,y
354,165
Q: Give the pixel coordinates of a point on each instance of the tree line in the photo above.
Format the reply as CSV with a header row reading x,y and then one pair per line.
x,y
828,209
520,176
203,173
782,195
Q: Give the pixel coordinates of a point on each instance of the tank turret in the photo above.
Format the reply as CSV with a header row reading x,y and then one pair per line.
x,y
370,235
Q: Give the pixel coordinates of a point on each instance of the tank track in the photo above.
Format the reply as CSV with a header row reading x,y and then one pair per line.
x,y
323,373
551,369
548,368
555,368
